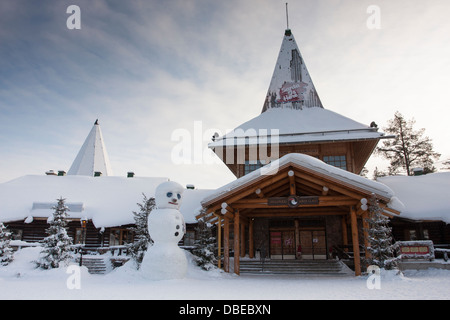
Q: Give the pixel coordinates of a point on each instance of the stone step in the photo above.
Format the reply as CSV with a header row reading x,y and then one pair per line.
x,y
305,267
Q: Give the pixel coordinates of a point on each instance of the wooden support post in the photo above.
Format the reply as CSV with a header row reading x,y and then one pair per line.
x,y
344,233
219,241
236,243
226,245
251,253
355,241
297,236
365,216
242,238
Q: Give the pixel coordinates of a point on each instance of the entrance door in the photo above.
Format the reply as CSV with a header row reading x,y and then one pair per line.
x,y
282,244
314,245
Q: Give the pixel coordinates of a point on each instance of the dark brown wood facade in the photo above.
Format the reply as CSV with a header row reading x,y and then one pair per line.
x,y
356,153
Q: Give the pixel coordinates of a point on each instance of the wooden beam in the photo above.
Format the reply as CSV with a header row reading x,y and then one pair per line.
x,y
245,191
344,232
365,216
242,238
330,185
219,241
226,245
251,253
355,241
259,193
292,188
236,234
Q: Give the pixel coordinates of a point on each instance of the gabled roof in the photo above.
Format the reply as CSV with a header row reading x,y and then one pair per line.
x,y
312,172
92,156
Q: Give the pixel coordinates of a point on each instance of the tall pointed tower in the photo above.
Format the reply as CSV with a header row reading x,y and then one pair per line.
x,y
293,120
291,86
92,156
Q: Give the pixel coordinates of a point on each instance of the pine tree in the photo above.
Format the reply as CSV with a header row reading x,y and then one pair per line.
x,y
142,238
381,249
204,246
57,245
409,149
6,252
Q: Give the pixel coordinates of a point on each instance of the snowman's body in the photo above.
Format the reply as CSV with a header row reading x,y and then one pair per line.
x,y
166,226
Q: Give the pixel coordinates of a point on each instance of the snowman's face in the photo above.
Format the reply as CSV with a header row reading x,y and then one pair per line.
x,y
168,195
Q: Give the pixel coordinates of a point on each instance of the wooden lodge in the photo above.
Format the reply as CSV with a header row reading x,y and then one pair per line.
x,y
301,203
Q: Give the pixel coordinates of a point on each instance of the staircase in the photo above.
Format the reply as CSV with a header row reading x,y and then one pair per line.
x,y
95,264
297,267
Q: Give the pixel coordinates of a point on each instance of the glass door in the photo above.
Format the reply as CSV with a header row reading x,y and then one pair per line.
x,y
313,244
282,244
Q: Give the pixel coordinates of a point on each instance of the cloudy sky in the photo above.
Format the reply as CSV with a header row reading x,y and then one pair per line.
x,y
146,68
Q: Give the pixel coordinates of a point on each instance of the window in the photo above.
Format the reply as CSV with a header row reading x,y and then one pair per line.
x,y
253,165
336,161
16,234
189,238
80,236
118,237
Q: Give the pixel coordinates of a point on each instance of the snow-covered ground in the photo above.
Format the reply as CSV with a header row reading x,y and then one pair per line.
x,y
20,280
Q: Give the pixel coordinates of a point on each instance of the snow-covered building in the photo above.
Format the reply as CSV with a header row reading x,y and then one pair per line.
x,y
298,193
101,205
426,211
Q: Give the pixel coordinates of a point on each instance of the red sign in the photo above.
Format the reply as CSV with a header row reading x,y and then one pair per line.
x,y
292,91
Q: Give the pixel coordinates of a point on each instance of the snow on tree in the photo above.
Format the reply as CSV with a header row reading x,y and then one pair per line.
x,y
409,149
204,246
142,237
381,249
6,252
57,246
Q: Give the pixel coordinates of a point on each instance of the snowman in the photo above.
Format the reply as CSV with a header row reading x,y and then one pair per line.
x,y
165,260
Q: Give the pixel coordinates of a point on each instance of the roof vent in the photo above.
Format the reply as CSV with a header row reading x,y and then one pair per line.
x,y
97,174
61,173
51,173
190,186
130,174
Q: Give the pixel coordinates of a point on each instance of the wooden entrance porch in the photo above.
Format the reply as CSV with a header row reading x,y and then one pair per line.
x,y
295,192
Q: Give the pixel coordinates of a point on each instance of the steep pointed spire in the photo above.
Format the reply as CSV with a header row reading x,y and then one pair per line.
x,y
92,156
291,85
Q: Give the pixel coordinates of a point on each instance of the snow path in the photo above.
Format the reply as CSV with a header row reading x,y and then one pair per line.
x,y
125,283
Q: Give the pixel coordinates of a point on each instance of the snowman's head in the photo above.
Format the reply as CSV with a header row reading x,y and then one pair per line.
x,y
168,195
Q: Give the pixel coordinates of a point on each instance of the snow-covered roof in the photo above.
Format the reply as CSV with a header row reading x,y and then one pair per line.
x,y
292,106
92,156
108,201
425,197
311,124
312,164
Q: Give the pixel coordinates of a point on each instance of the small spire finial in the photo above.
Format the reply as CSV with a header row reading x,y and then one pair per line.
x,y
287,17
96,122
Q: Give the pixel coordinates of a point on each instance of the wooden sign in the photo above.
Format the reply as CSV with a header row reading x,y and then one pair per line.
x,y
293,201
